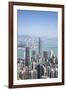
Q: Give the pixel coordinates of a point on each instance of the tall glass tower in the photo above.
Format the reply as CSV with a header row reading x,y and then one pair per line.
x,y
39,46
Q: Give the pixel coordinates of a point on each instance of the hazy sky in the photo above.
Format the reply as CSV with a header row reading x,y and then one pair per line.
x,y
37,23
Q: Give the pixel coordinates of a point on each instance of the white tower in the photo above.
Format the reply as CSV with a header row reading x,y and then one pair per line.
x,y
51,53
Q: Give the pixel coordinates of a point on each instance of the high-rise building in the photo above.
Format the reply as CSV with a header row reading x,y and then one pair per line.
x,y
34,74
39,46
52,73
45,54
33,53
40,71
27,56
56,73
51,54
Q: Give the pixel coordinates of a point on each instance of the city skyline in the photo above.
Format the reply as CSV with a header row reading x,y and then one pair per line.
x,y
37,23
37,47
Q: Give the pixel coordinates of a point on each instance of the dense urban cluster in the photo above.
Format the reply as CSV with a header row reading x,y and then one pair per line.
x,y
37,66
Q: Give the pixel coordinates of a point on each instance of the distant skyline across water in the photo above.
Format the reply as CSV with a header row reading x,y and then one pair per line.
x,y
46,44
37,23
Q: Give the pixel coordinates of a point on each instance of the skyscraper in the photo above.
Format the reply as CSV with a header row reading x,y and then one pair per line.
x,y
39,46
45,54
27,56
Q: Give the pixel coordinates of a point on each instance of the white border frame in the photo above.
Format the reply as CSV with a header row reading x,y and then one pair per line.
x,y
37,81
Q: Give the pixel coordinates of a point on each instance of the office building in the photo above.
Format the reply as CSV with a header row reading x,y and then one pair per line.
x,y
27,56
45,54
